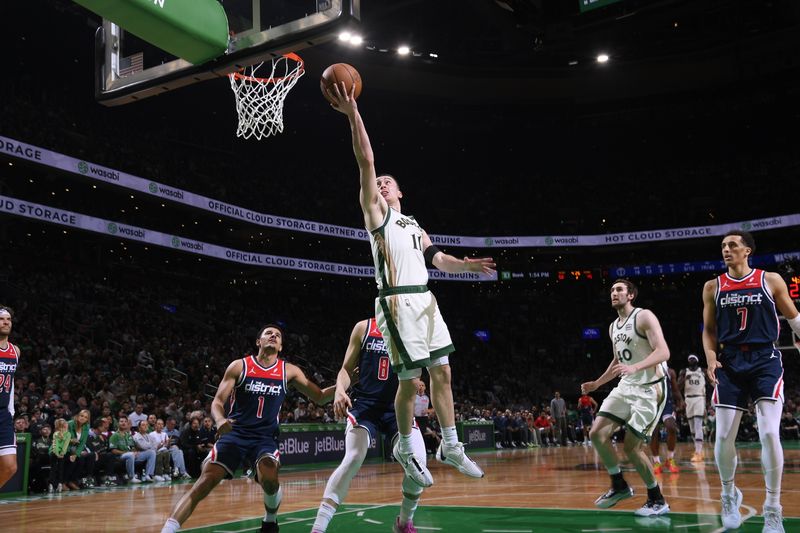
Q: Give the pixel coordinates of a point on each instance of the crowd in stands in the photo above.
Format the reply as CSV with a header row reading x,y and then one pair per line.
x,y
114,388
123,346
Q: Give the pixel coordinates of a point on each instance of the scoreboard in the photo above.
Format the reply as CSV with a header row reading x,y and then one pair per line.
x,y
794,288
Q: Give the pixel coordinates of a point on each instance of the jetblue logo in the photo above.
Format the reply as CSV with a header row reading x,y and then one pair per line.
x,y
376,345
259,387
740,299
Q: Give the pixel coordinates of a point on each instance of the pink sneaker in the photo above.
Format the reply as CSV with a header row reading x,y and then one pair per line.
x,y
408,528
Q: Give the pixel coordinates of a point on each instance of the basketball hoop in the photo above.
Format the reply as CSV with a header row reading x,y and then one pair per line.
x,y
259,101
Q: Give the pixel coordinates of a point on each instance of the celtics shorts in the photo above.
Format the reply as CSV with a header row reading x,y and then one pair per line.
x,y
637,407
413,328
695,406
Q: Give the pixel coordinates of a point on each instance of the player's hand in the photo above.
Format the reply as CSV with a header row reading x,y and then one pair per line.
x,y
711,371
486,265
588,387
341,100
225,427
341,403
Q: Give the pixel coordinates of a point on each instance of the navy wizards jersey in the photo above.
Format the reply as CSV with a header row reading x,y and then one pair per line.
x,y
8,365
376,380
256,400
746,311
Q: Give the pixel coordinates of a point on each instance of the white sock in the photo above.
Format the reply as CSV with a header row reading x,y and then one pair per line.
x,y
411,494
324,516
670,454
614,470
698,447
697,422
272,501
725,447
405,442
656,458
728,488
768,415
450,436
171,526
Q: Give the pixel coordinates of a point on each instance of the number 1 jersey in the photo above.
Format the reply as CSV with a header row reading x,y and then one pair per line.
x,y
256,400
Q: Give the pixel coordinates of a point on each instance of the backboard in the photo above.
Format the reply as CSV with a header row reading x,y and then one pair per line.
x,y
129,69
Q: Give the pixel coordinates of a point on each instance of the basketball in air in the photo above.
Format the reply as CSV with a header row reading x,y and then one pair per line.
x,y
338,73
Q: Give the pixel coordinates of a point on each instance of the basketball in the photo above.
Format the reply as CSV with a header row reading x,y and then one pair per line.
x,y
337,73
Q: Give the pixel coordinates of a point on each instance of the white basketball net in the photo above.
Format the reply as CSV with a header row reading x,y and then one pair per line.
x,y
259,101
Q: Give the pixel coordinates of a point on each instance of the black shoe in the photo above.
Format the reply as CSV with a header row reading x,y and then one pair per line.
x,y
613,496
269,527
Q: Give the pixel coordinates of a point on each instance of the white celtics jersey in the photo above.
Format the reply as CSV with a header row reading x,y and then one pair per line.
x,y
631,347
695,383
397,252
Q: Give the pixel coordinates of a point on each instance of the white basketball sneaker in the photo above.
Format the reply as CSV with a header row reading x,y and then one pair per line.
x,y
773,519
731,517
455,456
413,467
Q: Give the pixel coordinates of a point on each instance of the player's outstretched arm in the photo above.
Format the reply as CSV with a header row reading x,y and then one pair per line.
x,y
784,302
297,378
647,322
224,390
710,329
372,203
453,265
341,401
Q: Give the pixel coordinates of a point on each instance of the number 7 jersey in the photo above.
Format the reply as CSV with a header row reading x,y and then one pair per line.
x,y
746,311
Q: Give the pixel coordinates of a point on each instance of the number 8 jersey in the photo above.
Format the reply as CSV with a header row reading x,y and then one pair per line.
x,y
746,311
631,347
376,380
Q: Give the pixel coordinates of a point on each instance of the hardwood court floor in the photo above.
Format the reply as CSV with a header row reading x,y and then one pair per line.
x,y
549,489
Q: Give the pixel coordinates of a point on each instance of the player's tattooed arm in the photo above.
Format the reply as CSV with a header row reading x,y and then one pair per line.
x,y
341,401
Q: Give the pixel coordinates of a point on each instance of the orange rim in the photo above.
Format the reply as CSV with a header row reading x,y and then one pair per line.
x,y
290,55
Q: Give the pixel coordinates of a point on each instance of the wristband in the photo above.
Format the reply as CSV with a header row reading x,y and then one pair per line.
x,y
429,252
794,323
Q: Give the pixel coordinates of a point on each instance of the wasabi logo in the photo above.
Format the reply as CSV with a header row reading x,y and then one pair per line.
x,y
488,241
746,226
112,228
176,242
548,241
153,187
83,167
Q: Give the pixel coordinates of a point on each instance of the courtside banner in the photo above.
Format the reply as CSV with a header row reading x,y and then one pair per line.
x,y
92,171
15,206
317,445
